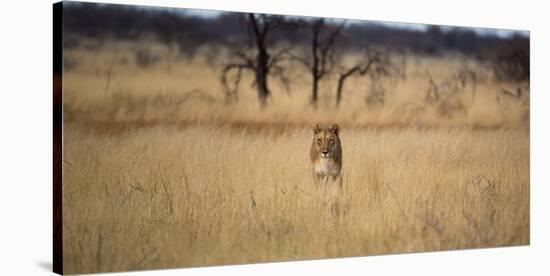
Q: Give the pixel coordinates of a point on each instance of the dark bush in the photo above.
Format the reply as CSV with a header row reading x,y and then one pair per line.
x,y
511,61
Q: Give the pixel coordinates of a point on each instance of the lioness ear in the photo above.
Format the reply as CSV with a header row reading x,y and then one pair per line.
x,y
335,129
316,128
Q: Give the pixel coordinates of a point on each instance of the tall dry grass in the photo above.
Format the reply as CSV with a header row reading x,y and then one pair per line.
x,y
165,197
155,178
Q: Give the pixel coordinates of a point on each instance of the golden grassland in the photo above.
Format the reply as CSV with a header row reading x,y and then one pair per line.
x,y
159,172
107,85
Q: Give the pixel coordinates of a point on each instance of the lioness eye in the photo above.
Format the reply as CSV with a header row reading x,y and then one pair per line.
x,y
319,141
331,141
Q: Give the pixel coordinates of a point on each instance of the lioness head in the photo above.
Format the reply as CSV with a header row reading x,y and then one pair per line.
x,y
326,142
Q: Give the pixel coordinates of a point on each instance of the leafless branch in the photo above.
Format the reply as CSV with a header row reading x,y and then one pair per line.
x,y
433,90
231,92
303,61
371,60
509,93
280,56
279,72
259,60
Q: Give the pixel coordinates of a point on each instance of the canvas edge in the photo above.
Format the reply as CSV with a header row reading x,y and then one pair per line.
x,y
57,9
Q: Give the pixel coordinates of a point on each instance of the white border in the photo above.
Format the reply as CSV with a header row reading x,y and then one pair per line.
x,y
25,178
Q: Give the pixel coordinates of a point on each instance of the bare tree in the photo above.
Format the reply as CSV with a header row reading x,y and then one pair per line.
x,y
374,63
322,53
447,93
256,58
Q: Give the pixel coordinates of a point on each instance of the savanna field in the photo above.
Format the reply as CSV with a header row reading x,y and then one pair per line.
x,y
161,171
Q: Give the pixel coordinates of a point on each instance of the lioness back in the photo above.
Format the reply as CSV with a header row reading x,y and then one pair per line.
x,y
326,153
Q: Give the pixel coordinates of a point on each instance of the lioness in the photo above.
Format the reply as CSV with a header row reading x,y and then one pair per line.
x,y
326,154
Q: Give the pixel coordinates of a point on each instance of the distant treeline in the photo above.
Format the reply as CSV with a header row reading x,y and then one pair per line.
x,y
189,32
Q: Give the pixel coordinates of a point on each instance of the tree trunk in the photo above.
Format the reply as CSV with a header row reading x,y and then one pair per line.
x,y
261,60
314,86
315,66
341,81
339,90
261,76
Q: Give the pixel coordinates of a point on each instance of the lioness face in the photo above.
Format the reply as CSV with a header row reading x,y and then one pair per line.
x,y
326,141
